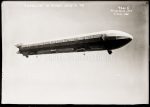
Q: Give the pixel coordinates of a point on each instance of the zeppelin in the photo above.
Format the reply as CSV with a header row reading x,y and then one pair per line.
x,y
104,40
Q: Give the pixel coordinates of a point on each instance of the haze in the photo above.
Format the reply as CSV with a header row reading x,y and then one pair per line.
x,y
73,78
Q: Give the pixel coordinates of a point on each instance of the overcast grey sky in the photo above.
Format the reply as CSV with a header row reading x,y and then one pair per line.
x,y
94,78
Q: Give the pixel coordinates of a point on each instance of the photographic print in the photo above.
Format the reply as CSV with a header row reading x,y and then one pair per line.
x,y
75,52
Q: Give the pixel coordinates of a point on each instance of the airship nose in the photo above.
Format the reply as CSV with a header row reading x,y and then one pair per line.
x,y
125,39
119,39
128,37
119,35
124,36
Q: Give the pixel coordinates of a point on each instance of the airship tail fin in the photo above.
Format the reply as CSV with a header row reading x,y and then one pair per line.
x,y
18,45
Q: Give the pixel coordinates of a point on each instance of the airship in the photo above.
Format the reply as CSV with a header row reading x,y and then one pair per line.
x,y
105,40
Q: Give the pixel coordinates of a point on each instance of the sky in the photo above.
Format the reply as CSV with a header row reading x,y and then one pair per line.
x,y
74,78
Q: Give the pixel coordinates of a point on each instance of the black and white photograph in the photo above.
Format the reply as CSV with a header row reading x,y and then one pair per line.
x,y
75,52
